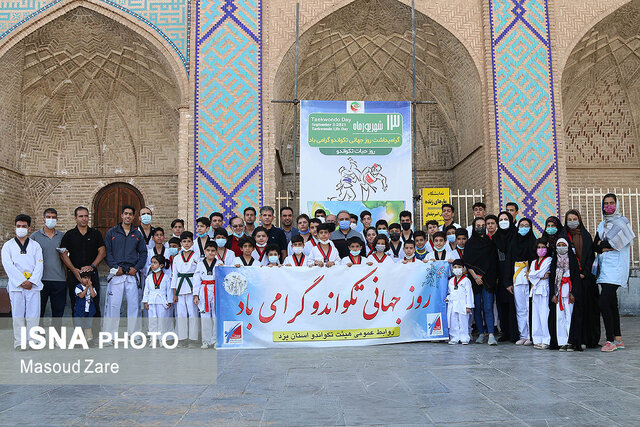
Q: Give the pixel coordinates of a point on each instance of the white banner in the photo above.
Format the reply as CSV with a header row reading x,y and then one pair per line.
x,y
356,155
258,307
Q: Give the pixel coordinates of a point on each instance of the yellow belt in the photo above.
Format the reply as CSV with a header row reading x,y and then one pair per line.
x,y
520,265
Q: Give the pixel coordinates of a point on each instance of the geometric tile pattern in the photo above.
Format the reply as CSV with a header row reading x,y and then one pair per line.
x,y
525,116
228,106
170,18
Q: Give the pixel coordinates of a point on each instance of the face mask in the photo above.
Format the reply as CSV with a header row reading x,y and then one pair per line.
x,y
172,251
421,248
481,230
457,271
145,219
573,224
201,234
406,226
451,238
523,231
303,233
238,235
273,259
380,248
354,253
353,226
551,230
610,209
157,270
50,222
459,247
221,242
541,251
439,250
562,250
395,236
21,232
324,242
345,224
261,245
383,232
332,227
297,250
186,249
410,256
503,224
321,218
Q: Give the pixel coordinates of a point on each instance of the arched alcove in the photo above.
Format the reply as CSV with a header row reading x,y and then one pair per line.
x,y
359,53
601,103
89,102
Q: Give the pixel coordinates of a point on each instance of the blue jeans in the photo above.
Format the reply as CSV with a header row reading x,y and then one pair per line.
x,y
483,302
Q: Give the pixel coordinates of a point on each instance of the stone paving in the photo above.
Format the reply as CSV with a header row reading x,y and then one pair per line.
x,y
418,384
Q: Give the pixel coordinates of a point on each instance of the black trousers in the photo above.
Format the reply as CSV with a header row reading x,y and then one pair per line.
x,y
72,282
609,310
55,292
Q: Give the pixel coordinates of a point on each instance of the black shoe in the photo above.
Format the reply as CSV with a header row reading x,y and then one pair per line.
x,y
503,338
183,344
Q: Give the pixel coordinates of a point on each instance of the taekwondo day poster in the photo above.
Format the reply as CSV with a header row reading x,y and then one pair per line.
x,y
356,155
327,307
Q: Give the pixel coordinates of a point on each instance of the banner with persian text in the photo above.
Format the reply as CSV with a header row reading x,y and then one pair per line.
x,y
260,307
356,155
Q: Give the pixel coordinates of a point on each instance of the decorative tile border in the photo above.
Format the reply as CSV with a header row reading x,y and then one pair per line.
x,y
524,103
169,18
228,106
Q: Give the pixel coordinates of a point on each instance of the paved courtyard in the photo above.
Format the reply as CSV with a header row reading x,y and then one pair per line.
x,y
420,384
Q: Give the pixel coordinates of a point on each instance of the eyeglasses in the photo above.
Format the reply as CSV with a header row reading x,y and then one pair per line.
x,y
237,226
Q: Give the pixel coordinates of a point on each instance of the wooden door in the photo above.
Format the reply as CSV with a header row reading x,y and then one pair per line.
x,y
107,205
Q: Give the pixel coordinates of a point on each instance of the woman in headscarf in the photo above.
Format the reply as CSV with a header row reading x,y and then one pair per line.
x,y
522,252
581,244
552,230
481,259
565,290
613,244
506,304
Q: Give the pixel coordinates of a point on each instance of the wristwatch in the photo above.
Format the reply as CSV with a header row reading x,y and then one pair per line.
x,y
94,267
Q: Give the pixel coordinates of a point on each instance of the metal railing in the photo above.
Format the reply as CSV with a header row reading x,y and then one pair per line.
x,y
588,201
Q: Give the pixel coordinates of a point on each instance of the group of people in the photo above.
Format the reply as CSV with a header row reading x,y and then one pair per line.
x,y
539,291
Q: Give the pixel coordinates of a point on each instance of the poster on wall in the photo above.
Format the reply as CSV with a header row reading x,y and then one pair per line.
x,y
328,307
432,201
356,155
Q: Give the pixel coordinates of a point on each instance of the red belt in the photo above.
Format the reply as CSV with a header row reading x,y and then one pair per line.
x,y
206,294
564,280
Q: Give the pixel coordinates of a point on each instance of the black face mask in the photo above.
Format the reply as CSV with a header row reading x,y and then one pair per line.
x,y
406,226
394,236
332,227
481,230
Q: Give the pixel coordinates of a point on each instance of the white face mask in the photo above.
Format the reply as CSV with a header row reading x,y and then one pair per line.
x,y
457,272
273,259
297,250
562,250
409,256
261,245
324,242
353,226
50,223
186,249
172,251
21,232
503,224
380,248
157,270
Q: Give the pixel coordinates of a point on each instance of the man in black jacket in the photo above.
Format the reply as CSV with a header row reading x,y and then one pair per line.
x,y
126,257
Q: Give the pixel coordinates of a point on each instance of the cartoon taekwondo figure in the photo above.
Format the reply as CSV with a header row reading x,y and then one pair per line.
x,y
367,178
347,180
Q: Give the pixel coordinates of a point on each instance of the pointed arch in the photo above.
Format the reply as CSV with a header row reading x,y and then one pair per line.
x,y
54,11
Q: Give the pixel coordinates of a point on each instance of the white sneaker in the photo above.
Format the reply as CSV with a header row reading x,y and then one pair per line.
x,y
520,342
452,342
528,342
492,340
204,345
465,342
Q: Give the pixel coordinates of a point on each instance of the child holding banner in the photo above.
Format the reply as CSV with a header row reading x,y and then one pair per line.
x,y
380,255
324,253
459,304
247,245
273,256
297,258
260,252
355,253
